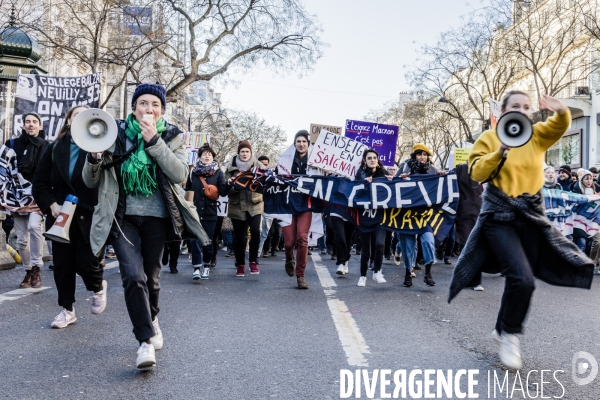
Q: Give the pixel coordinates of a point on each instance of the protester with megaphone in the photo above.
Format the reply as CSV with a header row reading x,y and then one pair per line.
x,y
58,176
140,207
512,234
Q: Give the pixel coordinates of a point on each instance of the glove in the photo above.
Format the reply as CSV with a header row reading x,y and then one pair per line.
x,y
55,209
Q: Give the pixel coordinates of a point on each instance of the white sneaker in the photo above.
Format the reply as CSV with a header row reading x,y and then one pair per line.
x,y
99,300
157,339
378,277
196,275
496,337
397,259
362,281
346,267
63,319
340,270
510,349
478,288
146,357
205,272
412,273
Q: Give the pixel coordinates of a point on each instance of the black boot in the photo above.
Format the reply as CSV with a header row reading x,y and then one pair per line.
x,y
428,279
407,279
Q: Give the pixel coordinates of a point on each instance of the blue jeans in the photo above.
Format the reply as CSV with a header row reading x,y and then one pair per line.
x,y
581,242
140,266
203,254
408,246
264,232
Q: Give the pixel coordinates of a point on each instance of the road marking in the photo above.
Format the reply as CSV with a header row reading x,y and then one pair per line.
x,y
20,293
352,340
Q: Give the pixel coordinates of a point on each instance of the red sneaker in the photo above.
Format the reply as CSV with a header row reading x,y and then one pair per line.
x,y
254,268
240,270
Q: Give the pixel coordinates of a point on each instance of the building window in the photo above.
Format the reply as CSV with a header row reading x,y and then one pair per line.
x,y
567,151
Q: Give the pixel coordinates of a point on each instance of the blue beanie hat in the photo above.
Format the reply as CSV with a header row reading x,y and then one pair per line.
x,y
150,88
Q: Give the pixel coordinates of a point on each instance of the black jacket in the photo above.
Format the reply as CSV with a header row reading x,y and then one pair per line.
x,y
51,184
300,164
120,154
22,143
362,174
207,208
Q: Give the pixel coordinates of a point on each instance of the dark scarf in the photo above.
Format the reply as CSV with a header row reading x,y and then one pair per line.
x,y
205,170
27,163
417,167
560,262
300,163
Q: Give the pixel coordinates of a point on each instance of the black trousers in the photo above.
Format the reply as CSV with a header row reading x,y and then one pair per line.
x,y
240,229
75,259
171,253
378,237
216,237
274,235
140,268
343,238
388,244
330,233
513,243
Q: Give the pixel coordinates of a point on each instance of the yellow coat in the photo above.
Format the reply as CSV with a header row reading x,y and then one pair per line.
x,y
523,170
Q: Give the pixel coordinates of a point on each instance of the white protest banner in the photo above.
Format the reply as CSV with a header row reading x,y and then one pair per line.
x,y
222,205
337,154
495,112
51,97
315,130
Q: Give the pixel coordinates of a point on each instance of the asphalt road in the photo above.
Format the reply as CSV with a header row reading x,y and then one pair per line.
x,y
259,337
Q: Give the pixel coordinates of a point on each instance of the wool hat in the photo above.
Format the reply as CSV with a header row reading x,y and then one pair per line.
x,y
264,158
150,88
303,133
565,168
422,147
244,144
36,115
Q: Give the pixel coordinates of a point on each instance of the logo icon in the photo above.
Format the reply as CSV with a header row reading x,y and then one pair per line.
x,y
585,368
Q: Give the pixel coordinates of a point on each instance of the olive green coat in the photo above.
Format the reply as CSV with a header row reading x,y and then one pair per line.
x,y
242,201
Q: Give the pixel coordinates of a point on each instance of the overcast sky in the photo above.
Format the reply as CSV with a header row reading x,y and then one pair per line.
x,y
370,42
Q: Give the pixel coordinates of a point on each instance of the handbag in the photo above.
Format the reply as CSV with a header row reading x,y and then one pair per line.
x,y
210,191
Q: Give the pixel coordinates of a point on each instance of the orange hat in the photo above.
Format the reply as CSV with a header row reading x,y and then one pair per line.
x,y
422,147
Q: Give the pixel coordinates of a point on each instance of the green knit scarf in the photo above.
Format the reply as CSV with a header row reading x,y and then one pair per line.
x,y
139,170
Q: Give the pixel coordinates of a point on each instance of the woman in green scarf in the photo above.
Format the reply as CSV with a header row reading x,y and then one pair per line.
x,y
137,207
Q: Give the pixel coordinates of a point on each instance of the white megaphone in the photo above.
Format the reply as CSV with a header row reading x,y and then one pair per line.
x,y
514,129
94,130
60,230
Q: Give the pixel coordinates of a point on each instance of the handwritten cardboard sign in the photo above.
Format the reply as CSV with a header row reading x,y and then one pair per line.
x,y
315,130
337,154
377,136
461,156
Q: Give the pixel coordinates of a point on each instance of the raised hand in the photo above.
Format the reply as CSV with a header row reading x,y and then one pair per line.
x,y
549,103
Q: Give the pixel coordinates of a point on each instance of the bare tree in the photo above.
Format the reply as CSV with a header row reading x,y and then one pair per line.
x,y
240,34
267,140
467,66
393,113
91,35
553,45
425,122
